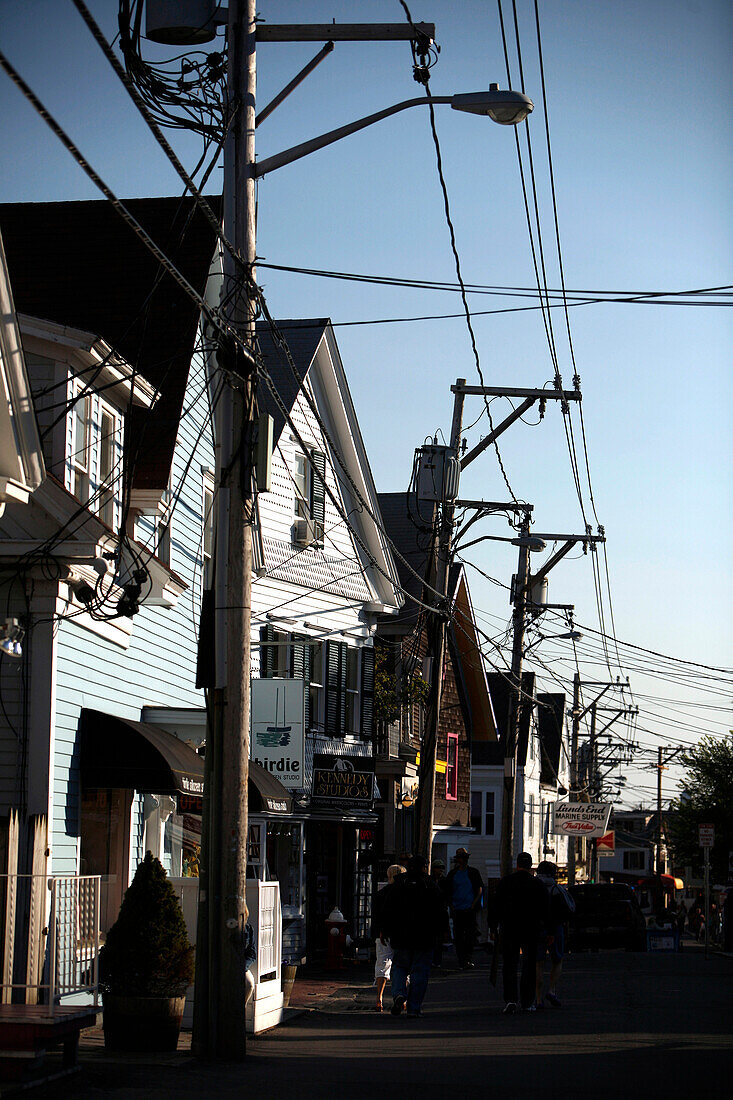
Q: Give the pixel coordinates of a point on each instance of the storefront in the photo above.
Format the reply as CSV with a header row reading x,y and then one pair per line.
x,y
340,835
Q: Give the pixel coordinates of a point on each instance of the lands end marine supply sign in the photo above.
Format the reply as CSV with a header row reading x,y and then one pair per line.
x,y
580,818
277,739
345,781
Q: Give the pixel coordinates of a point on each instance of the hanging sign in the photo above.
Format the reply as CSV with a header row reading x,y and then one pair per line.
x,y
580,818
606,844
346,781
277,738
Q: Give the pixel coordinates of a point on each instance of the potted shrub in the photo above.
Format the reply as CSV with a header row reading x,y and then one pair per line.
x,y
146,965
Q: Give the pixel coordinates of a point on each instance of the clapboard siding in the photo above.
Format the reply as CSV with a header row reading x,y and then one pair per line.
x,y
158,668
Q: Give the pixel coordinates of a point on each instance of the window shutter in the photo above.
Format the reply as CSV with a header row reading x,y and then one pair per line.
x,y
335,685
267,652
318,491
301,666
367,694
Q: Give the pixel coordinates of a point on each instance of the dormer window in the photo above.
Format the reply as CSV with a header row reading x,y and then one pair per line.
x,y
95,453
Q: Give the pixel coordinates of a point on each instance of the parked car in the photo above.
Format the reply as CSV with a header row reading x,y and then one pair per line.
x,y
607,914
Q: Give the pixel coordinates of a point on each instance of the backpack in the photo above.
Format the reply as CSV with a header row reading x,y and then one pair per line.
x,y
562,905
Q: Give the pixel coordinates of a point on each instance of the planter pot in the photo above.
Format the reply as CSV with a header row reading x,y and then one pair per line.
x,y
288,975
142,1023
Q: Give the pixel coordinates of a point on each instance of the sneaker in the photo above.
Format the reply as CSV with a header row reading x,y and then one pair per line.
x,y
399,1004
553,1000
414,1015
510,1008
530,1008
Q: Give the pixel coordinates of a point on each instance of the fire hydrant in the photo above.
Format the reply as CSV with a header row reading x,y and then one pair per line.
x,y
336,932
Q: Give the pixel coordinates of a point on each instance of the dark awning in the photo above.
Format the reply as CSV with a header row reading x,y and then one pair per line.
x,y
118,752
268,791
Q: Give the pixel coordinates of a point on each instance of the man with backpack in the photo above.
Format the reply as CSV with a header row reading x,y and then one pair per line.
x,y
552,936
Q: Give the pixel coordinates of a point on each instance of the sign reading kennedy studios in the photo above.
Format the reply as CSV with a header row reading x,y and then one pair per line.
x,y
346,781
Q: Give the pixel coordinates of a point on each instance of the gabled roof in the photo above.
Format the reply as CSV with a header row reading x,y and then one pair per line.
x,y
303,338
80,264
550,726
499,688
410,533
318,372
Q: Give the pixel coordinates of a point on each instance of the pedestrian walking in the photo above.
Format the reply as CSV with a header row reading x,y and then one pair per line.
x,y
413,918
552,936
522,910
383,964
464,890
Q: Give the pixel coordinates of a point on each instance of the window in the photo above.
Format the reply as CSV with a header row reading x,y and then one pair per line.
x,y
309,473
451,770
531,815
315,691
80,444
477,798
95,456
482,812
352,690
489,810
634,861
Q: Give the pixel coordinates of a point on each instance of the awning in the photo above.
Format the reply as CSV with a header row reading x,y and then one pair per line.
x,y
268,791
118,752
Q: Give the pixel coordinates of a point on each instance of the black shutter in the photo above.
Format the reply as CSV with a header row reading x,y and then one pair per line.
x,y
318,492
335,672
267,652
301,666
367,694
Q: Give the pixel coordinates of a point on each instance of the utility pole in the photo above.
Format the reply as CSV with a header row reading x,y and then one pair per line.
x,y
437,628
661,766
572,842
515,705
219,1030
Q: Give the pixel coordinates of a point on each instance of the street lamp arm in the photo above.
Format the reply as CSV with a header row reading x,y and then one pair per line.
x,y
279,160
508,108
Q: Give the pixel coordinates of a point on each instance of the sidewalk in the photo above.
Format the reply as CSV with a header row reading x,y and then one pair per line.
x,y
633,1025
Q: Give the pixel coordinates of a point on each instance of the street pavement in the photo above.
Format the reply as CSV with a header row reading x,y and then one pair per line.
x,y
631,1025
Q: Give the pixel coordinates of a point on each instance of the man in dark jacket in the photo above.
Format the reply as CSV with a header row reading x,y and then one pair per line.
x,y
522,910
413,918
464,889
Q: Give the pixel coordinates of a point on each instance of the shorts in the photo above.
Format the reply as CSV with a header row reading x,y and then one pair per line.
x,y
383,965
556,949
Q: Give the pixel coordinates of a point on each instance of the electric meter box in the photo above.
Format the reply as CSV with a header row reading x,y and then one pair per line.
x,y
438,473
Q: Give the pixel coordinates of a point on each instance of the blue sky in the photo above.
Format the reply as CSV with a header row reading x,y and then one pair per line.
x,y
639,102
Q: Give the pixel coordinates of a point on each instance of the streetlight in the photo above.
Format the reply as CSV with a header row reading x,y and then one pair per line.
x,y
507,108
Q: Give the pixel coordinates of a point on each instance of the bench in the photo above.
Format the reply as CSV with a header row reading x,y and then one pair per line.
x,y
28,1031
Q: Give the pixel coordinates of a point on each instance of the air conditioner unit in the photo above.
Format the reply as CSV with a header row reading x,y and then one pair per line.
x,y
306,532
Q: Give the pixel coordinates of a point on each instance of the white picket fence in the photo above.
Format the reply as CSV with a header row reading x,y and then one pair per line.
x,y
50,943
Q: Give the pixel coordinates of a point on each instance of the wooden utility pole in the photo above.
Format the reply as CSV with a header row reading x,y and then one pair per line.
x,y
515,701
219,1019
573,797
437,631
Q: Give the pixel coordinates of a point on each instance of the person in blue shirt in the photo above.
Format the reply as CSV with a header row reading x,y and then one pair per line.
x,y
464,890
